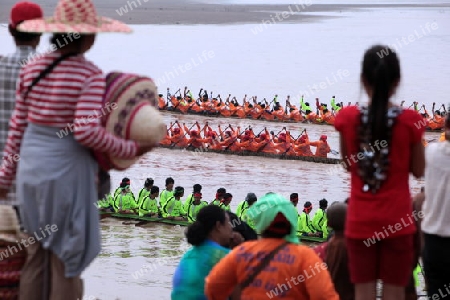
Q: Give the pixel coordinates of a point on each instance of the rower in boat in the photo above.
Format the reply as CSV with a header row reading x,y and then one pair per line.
x,y
167,192
197,188
124,202
244,205
219,196
149,206
145,191
320,217
225,203
305,226
195,206
119,189
322,147
294,200
246,216
162,105
173,207
335,107
303,147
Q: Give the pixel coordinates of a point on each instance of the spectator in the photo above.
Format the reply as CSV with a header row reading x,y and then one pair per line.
x,y
388,144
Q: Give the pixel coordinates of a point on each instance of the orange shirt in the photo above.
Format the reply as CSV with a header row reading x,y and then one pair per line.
x,y
296,272
322,148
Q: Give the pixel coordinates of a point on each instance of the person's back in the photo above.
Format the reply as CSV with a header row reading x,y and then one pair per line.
x,y
209,235
382,144
296,272
11,64
436,211
334,252
274,266
378,212
188,280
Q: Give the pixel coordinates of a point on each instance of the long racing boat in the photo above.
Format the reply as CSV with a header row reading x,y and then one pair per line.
x,y
322,160
145,220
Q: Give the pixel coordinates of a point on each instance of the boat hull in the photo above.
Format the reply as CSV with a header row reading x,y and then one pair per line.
x,y
137,218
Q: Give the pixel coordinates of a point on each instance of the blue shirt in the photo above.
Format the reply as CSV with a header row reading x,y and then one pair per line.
x,y
189,278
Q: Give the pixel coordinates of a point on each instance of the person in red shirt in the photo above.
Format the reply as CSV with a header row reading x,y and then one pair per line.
x,y
380,145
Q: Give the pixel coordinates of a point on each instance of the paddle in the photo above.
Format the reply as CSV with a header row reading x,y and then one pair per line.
x,y
144,222
290,146
173,144
198,133
232,143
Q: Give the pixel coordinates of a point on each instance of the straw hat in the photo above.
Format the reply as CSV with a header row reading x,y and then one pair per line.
x,y
9,225
132,114
74,16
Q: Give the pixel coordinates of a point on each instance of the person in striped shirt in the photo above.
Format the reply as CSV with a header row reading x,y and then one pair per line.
x,y
57,174
10,66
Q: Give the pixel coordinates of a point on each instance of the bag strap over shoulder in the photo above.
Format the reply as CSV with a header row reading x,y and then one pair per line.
x,y
262,265
46,71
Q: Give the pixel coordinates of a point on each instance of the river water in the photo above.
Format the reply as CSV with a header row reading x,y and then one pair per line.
x,y
138,263
283,59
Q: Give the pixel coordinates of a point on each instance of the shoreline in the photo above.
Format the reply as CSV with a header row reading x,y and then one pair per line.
x,y
179,12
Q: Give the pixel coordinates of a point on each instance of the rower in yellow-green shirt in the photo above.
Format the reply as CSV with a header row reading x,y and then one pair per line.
x,y
149,206
245,215
225,203
195,206
320,217
124,201
305,226
197,188
244,204
167,192
173,208
145,191
219,196
119,189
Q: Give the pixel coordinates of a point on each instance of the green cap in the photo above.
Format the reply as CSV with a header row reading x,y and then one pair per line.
x,y
264,211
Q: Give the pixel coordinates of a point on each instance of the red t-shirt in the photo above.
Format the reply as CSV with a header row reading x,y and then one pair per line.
x,y
389,211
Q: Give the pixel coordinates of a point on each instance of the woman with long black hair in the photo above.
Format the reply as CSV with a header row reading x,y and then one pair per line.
x,y
383,144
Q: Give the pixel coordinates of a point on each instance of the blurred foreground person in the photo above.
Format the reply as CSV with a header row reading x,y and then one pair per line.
x,y
242,231
435,224
274,265
54,130
389,147
10,66
210,235
334,252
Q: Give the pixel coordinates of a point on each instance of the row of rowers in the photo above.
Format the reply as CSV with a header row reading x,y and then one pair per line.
x,y
171,205
255,110
236,140
275,111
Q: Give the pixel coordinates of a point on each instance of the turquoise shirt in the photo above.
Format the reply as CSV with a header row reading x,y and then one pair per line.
x,y
189,279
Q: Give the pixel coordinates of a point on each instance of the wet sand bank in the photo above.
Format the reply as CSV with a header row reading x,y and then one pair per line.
x,y
187,12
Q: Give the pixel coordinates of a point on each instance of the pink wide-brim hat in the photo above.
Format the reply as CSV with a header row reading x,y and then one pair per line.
x,y
132,114
74,16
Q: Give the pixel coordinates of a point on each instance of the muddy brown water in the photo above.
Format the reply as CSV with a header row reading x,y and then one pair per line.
x,y
138,262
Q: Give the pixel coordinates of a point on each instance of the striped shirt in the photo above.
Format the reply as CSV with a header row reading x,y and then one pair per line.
x,y
69,99
10,66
